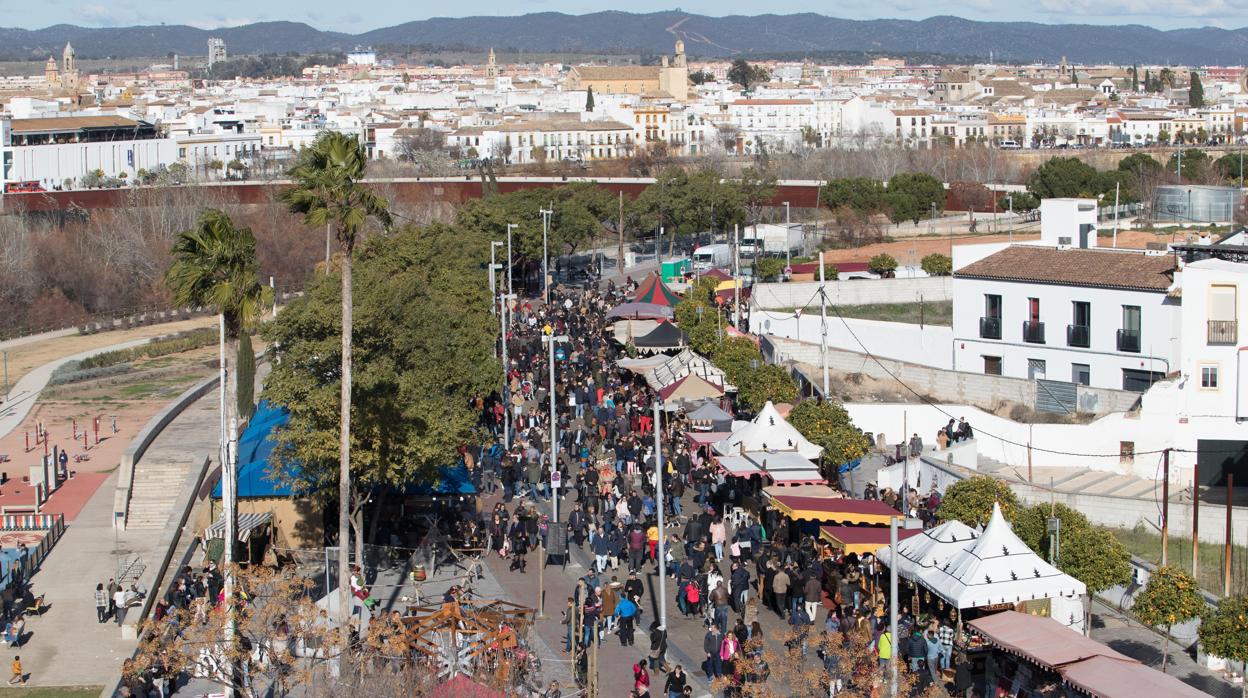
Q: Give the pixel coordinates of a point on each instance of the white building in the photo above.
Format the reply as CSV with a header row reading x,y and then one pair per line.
x,y
362,56
1064,310
523,140
216,50
60,152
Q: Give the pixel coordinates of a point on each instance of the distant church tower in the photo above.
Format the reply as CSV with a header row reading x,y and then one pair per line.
x,y
51,74
674,76
69,68
491,69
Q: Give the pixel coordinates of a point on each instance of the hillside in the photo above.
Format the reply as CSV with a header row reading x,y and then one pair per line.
x,y
654,32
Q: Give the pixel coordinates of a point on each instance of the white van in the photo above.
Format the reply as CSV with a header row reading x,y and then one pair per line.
x,y
708,257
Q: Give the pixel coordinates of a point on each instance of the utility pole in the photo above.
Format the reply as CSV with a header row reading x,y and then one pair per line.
x,y
510,262
1226,554
1117,189
892,605
1011,200
736,276
494,266
551,339
546,214
1165,506
823,327
788,260
327,248
661,562
1196,520
5,354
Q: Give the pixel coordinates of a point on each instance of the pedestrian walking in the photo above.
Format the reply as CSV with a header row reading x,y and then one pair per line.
x,y
101,604
19,676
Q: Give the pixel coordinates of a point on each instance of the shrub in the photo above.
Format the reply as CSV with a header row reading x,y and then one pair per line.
x,y
937,264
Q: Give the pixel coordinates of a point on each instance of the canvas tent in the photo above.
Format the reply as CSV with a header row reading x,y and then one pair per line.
x,y
861,539
682,364
768,431
935,547
709,416
998,568
664,337
653,290
690,388
641,311
622,331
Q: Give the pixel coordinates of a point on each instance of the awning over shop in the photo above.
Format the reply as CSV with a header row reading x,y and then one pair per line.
x,y
861,539
247,523
841,511
738,466
692,388
786,467
1082,662
934,548
709,415
641,311
698,439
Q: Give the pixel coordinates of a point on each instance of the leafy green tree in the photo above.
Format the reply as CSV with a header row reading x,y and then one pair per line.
x,y
327,192
970,501
827,424
746,74
768,382
1088,553
246,377
830,272
1135,79
735,356
912,196
1230,165
1020,201
882,264
861,194
768,268
1195,163
1064,177
1224,632
1139,164
686,203
214,265
589,98
1171,596
756,188
701,77
937,264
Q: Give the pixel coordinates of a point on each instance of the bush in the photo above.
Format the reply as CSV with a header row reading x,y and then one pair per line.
x,y
768,268
191,340
970,501
937,264
882,264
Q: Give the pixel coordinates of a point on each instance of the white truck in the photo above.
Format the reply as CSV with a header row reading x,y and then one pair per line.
x,y
770,239
708,257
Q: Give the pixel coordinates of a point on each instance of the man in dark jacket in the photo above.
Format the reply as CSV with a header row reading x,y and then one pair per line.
x,y
710,644
739,583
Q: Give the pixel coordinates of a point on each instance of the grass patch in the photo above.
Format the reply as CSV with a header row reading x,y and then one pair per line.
x,y
52,692
1145,543
928,313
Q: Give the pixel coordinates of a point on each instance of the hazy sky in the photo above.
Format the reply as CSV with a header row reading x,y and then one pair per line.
x,y
371,14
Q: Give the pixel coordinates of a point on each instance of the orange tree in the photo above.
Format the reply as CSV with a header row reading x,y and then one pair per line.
x,y
1171,596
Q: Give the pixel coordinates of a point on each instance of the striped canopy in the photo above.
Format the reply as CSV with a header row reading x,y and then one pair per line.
x,y
246,524
653,290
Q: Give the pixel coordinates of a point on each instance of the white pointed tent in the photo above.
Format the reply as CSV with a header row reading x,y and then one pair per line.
x,y
932,549
768,431
999,568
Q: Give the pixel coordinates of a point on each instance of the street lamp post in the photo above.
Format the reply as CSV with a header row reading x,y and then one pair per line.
x,y
510,262
494,266
502,325
892,593
551,340
546,214
661,562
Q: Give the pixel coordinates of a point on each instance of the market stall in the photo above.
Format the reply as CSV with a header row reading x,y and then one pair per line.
x,y
641,311
768,431
931,549
861,539
832,510
664,337
654,291
691,388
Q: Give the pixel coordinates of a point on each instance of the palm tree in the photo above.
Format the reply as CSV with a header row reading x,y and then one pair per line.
x,y
214,265
327,192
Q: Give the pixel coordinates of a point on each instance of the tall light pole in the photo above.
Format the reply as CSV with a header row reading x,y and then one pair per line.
x,y
661,562
494,267
502,325
788,263
551,340
823,326
736,276
546,214
892,593
510,262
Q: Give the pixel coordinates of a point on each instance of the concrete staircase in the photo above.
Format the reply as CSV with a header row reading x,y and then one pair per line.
x,y
157,483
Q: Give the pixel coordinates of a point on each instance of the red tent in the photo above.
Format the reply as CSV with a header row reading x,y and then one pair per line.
x,y
653,290
460,686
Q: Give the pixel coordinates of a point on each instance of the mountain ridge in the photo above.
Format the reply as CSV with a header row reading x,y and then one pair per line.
x,y
704,36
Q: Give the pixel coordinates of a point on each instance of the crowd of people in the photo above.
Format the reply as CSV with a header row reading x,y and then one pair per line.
x,y
724,572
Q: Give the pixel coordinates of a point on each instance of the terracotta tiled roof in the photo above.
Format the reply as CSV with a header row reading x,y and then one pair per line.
x,y
1075,267
617,72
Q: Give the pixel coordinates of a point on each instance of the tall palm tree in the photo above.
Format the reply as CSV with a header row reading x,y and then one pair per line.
x,y
327,192
214,265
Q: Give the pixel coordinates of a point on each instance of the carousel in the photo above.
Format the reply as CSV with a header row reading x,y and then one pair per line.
x,y
484,640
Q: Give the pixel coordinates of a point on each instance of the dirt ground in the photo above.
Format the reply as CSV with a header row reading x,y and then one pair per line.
x,y
912,250
24,357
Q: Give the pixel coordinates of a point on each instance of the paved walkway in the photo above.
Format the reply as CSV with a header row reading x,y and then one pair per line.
x,y
25,392
66,645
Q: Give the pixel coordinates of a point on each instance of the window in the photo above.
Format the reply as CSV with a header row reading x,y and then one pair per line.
x,y
1223,328
1036,369
1209,377
1081,374
1079,333
1126,452
1129,335
992,365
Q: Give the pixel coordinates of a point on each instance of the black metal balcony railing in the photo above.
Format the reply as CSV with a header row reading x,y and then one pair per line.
x,y
1129,340
1078,336
1033,332
1223,332
990,327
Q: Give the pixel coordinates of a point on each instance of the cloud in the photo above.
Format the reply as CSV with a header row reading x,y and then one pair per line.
x,y
220,22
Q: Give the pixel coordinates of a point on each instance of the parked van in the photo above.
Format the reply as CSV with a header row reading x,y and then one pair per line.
x,y
708,257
